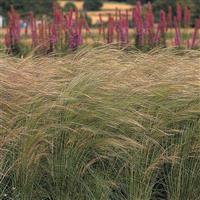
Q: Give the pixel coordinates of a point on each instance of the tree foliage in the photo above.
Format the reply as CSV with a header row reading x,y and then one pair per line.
x,y
135,1
39,7
194,6
68,6
92,4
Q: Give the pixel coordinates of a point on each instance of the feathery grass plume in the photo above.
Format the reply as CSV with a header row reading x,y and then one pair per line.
x,y
69,131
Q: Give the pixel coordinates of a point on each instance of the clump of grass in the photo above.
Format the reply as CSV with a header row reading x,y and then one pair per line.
x,y
100,124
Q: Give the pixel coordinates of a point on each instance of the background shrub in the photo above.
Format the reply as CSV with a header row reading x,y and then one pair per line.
x,y
38,7
92,4
192,4
68,6
88,19
134,1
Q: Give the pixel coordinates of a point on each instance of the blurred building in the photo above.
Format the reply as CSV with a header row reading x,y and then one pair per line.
x,y
1,21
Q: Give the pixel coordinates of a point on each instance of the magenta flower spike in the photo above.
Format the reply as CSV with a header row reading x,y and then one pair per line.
x,y
122,28
157,35
150,16
53,35
75,39
102,28
126,26
100,24
163,26
120,14
33,28
169,17
80,26
179,13
110,29
195,34
67,29
65,22
163,21
26,27
149,24
139,7
14,26
187,16
70,18
12,36
138,22
177,33
116,14
76,15
57,14
87,28
7,40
